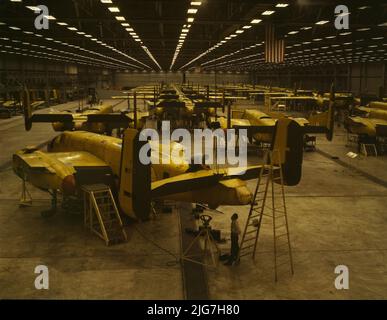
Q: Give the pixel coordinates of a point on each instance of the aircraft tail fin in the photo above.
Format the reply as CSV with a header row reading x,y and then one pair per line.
x,y
27,109
135,178
288,147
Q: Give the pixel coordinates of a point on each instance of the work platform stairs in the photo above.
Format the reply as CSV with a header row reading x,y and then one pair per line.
x,y
101,214
268,211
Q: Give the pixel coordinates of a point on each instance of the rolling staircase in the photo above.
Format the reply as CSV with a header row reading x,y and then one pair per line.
x,y
269,203
101,214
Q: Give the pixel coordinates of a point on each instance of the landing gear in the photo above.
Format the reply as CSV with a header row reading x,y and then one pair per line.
x,y
54,206
25,199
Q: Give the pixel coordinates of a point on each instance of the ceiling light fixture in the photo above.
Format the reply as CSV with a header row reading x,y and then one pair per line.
x,y
33,8
136,38
114,9
185,30
220,43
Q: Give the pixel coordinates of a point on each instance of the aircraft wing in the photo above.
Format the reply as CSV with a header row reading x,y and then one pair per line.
x,y
52,117
202,179
72,160
111,120
244,173
256,129
307,128
185,183
49,171
66,117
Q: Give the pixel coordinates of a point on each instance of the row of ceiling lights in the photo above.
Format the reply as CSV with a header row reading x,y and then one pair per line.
x,y
263,65
189,20
88,36
235,60
355,57
236,33
102,62
234,53
68,45
52,56
35,56
301,56
348,51
321,22
115,10
241,63
185,30
346,55
315,59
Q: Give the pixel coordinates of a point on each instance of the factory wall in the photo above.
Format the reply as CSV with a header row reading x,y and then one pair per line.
x,y
133,79
367,77
42,73
360,78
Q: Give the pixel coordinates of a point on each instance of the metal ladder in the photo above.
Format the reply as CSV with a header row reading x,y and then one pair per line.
x,y
101,214
270,180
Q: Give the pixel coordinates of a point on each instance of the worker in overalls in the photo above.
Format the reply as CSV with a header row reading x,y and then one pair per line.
x,y
235,232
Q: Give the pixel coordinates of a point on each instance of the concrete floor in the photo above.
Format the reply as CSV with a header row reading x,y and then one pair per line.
x,y
336,216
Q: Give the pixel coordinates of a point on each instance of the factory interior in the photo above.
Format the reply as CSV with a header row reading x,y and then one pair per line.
x,y
285,200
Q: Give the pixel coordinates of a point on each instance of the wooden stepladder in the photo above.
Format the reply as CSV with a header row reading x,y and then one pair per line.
x,y
269,201
101,214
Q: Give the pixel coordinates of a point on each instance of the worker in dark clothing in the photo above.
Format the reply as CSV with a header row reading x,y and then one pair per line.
x,y
235,232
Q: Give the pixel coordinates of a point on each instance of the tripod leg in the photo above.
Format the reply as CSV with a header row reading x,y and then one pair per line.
x,y
205,252
192,243
213,242
208,239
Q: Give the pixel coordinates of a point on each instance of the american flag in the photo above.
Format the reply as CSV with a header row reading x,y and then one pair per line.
x,y
274,49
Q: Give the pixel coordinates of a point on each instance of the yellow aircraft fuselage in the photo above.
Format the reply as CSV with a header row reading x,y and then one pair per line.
x,y
74,148
367,125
